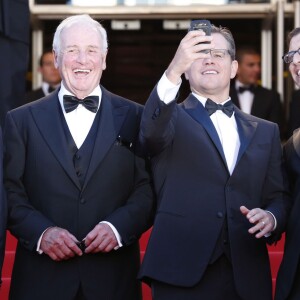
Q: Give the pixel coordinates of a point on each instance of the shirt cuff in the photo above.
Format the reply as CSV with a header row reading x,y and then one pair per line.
x,y
117,235
39,242
167,90
275,221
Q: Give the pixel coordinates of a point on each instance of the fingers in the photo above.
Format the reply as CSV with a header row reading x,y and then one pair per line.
x,y
100,239
262,220
244,210
188,51
59,244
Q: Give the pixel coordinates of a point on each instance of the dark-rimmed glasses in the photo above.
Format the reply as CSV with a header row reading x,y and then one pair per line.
x,y
216,53
288,57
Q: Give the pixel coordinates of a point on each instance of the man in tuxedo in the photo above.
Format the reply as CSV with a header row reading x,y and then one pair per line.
x,y
79,194
288,278
218,177
250,97
50,76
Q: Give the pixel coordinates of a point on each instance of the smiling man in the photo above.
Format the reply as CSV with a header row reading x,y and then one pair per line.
x,y
218,178
79,195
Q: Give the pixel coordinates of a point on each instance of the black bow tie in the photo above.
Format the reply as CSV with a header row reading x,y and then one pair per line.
x,y
90,103
212,107
243,89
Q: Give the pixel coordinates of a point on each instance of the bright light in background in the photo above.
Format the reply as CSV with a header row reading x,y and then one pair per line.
x,y
144,2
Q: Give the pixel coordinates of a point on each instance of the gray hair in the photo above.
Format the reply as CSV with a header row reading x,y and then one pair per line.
x,y
293,33
226,33
83,19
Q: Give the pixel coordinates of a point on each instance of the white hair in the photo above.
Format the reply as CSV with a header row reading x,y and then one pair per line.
x,y
84,19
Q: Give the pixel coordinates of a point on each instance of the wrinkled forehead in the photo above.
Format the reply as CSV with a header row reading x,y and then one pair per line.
x,y
81,33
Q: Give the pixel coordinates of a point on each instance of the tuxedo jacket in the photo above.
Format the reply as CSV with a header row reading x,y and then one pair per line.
x,y
14,53
266,104
294,113
286,277
44,190
196,193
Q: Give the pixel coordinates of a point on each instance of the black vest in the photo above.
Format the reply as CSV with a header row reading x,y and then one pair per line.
x,y
81,157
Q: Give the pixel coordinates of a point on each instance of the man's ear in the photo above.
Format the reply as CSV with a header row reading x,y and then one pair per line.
x,y
234,68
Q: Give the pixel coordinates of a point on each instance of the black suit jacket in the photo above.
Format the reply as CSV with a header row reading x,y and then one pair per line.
x,y
286,278
34,95
44,190
14,53
196,193
294,113
266,105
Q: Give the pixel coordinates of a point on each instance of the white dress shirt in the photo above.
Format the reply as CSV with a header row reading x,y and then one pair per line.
x,y
245,98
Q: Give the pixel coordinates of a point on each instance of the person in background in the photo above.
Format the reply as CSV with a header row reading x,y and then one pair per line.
x,y
50,76
249,96
79,193
288,278
217,173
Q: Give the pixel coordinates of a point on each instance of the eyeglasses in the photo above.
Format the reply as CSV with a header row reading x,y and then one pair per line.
x,y
216,53
288,57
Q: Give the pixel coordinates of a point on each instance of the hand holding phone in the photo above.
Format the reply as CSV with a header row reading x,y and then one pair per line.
x,y
204,25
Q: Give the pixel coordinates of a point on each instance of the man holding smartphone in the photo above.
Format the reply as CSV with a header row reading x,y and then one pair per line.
x,y
218,178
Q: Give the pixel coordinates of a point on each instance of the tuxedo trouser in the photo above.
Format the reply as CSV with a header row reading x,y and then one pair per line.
x,y
79,295
295,292
217,283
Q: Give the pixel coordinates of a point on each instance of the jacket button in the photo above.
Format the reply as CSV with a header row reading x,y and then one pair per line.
x,y
82,200
220,214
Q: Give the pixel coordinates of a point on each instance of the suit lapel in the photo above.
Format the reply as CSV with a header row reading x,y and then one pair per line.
x,y
296,141
246,126
112,116
48,120
246,129
196,110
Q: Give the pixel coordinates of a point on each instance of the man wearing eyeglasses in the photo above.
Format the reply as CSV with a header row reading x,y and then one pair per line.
x,y
218,177
288,280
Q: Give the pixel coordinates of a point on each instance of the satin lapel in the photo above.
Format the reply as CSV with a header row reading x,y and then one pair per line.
x,y
112,117
196,110
48,120
246,130
296,141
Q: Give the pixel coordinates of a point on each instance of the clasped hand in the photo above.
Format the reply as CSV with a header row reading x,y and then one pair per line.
x,y
59,244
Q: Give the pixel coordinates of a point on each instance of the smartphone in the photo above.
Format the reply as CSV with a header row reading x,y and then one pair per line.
x,y
204,25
